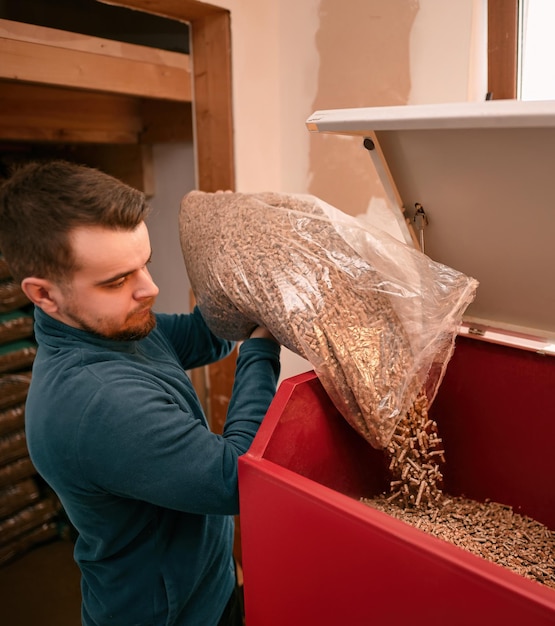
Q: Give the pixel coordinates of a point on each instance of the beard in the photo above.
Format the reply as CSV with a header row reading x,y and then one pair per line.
x,y
132,330
133,333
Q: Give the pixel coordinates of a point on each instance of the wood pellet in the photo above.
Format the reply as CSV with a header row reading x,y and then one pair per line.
x,y
488,529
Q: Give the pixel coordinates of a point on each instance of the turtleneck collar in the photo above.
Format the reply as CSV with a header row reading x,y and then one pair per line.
x,y
48,329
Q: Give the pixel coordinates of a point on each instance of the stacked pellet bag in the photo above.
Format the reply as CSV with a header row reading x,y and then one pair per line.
x,y
28,511
375,317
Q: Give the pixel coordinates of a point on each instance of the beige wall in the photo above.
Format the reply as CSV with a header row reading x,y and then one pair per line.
x,y
291,58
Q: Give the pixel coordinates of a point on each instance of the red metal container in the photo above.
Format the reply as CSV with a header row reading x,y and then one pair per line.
x,y
313,554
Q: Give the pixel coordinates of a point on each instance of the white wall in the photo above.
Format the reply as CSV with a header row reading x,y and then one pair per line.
x,y
174,177
276,66
448,52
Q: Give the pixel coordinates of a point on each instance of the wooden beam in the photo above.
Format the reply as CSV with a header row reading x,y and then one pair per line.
x,y
166,122
43,55
31,112
213,124
212,89
93,45
182,10
502,49
212,105
213,128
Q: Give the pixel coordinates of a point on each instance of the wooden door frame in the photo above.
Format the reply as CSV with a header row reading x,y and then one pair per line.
x,y
212,98
210,52
210,40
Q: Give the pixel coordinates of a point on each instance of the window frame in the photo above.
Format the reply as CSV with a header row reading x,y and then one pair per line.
x,y
503,49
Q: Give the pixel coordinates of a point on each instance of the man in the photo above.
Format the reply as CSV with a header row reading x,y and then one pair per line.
x,y
113,423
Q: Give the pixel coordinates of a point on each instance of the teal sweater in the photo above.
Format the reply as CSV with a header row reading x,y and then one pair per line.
x,y
118,432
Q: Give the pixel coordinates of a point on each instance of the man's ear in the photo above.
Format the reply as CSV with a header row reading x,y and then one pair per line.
x,y
41,292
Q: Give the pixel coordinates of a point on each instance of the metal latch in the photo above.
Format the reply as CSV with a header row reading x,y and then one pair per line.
x,y
420,220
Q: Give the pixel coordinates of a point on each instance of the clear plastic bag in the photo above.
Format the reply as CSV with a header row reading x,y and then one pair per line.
x,y
376,318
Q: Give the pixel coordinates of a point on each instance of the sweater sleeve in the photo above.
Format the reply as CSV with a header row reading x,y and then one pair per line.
x,y
161,451
194,343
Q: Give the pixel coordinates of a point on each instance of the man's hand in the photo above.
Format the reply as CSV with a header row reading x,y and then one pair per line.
x,y
262,333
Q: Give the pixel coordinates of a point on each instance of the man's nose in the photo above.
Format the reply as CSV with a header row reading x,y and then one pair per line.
x,y
147,288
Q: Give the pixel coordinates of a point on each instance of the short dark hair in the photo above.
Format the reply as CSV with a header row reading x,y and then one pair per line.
x,y
41,203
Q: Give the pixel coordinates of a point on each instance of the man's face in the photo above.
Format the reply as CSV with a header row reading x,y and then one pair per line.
x,y
111,293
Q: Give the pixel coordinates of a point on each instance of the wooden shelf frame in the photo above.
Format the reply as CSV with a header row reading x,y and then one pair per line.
x,y
35,54
64,88
210,44
210,38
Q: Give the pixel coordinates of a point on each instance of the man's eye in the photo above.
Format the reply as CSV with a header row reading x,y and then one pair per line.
x,y
116,285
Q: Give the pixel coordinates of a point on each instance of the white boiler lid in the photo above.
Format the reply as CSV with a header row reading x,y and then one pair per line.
x,y
485,175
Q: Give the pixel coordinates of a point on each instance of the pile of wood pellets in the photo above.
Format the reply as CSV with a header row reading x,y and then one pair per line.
x,y
488,529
